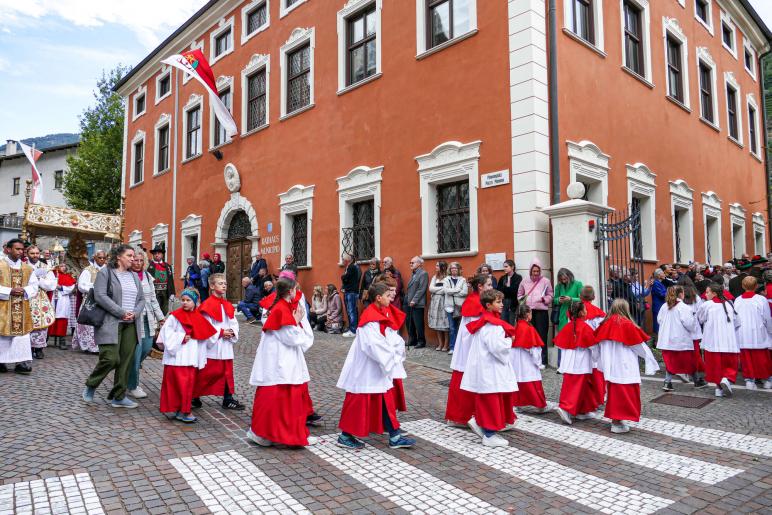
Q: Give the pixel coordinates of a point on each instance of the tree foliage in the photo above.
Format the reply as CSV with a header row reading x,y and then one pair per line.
x,y
93,182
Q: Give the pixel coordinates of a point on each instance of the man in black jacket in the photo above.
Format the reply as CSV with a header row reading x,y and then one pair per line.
x,y
350,289
508,285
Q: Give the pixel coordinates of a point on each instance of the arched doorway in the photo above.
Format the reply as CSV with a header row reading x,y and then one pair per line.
x,y
239,254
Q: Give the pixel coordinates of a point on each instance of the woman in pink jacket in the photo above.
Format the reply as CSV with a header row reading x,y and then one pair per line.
x,y
537,291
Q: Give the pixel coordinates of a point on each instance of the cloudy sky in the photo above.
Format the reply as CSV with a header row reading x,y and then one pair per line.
x,y
53,51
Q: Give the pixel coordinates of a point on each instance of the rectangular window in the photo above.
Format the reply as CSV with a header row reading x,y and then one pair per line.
x,y
363,230
727,35
256,18
193,132
701,10
453,217
583,22
290,3
299,78
299,238
256,106
674,75
16,185
222,43
219,132
140,104
706,92
163,148
58,180
139,161
634,60
164,85
731,106
446,19
361,47
752,130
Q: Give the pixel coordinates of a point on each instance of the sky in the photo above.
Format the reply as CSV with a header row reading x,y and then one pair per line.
x,y
52,52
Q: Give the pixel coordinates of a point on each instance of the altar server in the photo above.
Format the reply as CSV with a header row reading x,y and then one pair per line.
x,y
525,356
719,339
677,325
594,317
753,335
64,304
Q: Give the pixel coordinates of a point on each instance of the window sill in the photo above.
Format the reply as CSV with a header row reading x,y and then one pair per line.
x,y
140,183
162,172
702,22
678,103
362,82
304,267
221,145
257,31
297,112
464,253
728,49
710,124
160,99
221,56
138,116
284,11
446,44
736,142
191,158
255,130
584,42
757,157
640,78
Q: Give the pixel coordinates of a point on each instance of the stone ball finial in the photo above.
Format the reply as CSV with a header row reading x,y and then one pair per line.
x,y
575,190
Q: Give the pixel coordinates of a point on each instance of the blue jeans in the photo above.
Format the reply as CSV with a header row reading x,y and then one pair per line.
x,y
249,310
453,324
140,353
351,310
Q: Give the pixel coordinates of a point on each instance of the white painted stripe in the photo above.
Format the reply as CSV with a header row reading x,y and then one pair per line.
x,y
73,494
659,378
582,488
681,466
387,475
229,483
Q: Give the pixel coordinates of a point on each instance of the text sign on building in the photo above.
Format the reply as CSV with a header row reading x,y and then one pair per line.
x,y
489,180
270,244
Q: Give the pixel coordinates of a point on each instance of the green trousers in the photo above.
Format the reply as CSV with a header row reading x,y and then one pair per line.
x,y
119,357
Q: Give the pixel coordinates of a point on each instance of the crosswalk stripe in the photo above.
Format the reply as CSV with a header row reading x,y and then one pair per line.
x,y
385,474
750,444
66,494
229,483
674,464
582,488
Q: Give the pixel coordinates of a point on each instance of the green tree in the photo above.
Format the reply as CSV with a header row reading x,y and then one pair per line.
x,y
93,182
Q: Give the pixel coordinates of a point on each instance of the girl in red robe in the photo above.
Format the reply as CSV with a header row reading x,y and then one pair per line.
x,y
525,357
64,301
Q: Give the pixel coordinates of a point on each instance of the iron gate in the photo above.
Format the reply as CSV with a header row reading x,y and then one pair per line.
x,y
620,259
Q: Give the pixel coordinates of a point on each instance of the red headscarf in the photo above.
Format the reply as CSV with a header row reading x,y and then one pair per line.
x,y
214,305
526,336
489,317
280,316
472,306
575,335
620,329
386,317
194,323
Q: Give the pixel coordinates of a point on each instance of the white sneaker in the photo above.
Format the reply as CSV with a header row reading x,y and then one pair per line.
x,y
312,440
542,367
719,392
768,384
750,384
564,416
259,440
474,427
348,334
450,352
586,416
138,393
494,441
620,428
509,427
726,387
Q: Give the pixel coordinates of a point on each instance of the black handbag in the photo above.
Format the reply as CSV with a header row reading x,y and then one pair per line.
x,y
92,313
555,316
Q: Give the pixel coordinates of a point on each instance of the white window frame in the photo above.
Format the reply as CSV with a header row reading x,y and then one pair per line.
x,y
354,7
709,24
711,208
759,228
160,234
747,46
361,183
704,56
284,10
730,80
298,38
224,25
245,11
646,35
641,183
139,136
189,226
726,19
421,36
195,101
164,120
142,90
135,239
296,200
597,19
737,219
193,46
448,162
750,101
671,27
588,164
166,70
255,64
221,83
682,198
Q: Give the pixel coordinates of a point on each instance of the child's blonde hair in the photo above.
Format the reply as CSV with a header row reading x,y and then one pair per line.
x,y
620,307
214,277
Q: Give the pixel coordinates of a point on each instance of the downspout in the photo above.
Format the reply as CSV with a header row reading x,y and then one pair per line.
x,y
553,103
762,81
174,171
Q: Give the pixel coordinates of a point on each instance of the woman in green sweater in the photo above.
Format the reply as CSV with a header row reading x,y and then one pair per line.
x,y
567,290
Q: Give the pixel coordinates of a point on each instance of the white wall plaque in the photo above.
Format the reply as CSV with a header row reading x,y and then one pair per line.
x,y
489,180
496,260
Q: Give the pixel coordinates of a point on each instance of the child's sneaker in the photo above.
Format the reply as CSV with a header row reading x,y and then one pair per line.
x,y
586,416
188,419
768,384
494,440
401,443
259,440
313,420
668,386
474,427
88,394
546,409
750,384
726,387
564,415
719,392
620,428
349,442
312,440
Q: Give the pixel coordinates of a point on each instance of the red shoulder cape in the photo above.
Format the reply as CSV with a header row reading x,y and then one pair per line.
x,y
194,323
488,317
748,295
65,279
526,336
575,335
386,317
472,306
280,316
619,329
267,301
593,311
211,306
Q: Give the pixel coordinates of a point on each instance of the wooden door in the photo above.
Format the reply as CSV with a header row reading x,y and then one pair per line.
x,y
237,266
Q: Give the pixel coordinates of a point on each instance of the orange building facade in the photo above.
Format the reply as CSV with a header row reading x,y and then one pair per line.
x,y
383,128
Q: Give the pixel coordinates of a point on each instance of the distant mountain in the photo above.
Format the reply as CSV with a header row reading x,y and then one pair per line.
x,y
51,140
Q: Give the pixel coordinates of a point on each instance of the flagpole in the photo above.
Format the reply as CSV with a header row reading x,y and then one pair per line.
x,y
174,170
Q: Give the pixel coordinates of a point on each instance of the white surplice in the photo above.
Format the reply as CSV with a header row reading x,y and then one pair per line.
x,y
488,367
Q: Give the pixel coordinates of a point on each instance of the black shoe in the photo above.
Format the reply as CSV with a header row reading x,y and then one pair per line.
x,y
420,345
700,383
3,368
62,343
232,404
23,369
37,353
313,420
196,403
410,344
668,386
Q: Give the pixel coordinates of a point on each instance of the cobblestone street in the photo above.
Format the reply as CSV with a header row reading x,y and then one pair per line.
x,y
58,455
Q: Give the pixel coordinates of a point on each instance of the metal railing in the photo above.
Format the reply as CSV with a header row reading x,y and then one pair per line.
x,y
10,222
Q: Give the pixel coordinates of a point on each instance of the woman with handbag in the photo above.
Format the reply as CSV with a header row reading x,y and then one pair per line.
x,y
456,290
149,322
118,293
536,291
